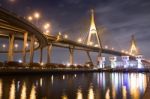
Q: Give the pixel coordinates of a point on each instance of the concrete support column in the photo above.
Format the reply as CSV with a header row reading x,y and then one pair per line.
x,y
101,62
71,55
49,50
125,60
32,48
11,47
89,57
139,59
24,47
41,55
113,60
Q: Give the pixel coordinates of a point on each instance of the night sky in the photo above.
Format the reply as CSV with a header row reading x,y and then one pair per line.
x,y
119,18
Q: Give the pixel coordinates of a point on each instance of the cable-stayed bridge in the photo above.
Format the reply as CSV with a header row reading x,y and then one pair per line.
x,y
15,27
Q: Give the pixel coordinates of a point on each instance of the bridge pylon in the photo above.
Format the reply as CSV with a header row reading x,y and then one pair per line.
x,y
93,33
133,48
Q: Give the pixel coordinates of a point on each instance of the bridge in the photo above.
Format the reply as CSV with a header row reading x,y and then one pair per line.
x,y
15,27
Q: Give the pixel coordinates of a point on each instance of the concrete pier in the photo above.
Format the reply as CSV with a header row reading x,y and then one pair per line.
x,y
49,50
41,55
71,56
11,47
32,48
24,47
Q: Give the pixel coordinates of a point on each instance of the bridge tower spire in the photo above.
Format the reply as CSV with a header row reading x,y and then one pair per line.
x,y
93,31
133,47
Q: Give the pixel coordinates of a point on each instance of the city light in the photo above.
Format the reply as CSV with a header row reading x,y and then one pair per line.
x,y
68,64
42,63
75,64
20,61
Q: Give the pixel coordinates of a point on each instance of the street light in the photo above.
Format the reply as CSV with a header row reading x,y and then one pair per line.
x,y
20,61
12,0
46,32
122,51
4,46
35,43
30,18
96,45
36,15
16,45
91,43
127,52
65,36
27,45
79,40
46,26
106,47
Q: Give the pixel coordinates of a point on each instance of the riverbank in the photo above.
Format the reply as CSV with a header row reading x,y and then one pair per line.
x,y
53,68
9,71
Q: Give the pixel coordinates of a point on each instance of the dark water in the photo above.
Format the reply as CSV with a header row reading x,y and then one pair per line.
x,y
74,86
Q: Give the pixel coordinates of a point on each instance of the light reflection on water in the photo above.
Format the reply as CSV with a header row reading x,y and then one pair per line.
x,y
79,94
1,89
23,91
33,92
91,93
75,86
12,90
